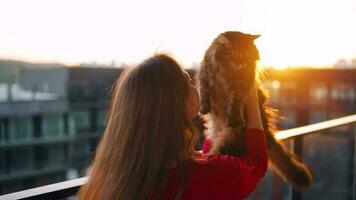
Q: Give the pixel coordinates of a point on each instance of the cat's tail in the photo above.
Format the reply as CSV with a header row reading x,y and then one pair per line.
x,y
289,167
283,162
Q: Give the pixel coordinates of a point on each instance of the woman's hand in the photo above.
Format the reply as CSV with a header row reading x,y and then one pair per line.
x,y
253,109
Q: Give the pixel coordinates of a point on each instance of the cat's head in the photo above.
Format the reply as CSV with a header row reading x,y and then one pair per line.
x,y
235,48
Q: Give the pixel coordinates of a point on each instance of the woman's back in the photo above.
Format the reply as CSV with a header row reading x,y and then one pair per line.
x,y
221,176
149,129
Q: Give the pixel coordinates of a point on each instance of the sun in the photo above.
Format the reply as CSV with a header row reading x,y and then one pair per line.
x,y
280,67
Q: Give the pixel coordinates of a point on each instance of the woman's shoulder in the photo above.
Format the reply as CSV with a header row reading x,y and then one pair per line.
x,y
220,176
214,169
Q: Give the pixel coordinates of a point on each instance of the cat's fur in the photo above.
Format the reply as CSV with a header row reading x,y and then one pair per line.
x,y
227,71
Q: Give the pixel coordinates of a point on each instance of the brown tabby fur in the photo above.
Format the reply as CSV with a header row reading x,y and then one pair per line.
x,y
226,74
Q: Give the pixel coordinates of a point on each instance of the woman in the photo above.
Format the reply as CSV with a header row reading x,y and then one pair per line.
x,y
147,150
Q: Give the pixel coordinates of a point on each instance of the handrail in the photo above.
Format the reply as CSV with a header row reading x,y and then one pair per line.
x,y
70,188
303,130
52,191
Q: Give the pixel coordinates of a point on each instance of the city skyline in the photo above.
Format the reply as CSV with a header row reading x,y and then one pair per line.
x,y
299,33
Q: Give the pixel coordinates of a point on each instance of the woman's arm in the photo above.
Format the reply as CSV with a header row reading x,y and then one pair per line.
x,y
255,140
253,109
241,174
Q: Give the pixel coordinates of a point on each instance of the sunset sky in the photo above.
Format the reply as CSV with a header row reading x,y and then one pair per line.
x,y
294,33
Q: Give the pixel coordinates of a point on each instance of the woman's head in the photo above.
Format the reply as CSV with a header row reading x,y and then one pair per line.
x,y
147,130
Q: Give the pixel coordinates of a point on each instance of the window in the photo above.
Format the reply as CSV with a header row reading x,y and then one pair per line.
x,y
4,130
342,91
318,93
20,128
81,120
69,128
289,119
49,156
56,155
317,116
3,167
81,154
20,160
274,88
39,156
53,126
37,127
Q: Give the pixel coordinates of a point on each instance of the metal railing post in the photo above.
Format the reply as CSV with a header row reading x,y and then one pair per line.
x,y
352,179
297,148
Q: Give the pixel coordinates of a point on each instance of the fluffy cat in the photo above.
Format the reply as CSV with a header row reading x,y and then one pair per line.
x,y
227,71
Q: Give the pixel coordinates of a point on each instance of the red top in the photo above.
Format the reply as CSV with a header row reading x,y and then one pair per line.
x,y
222,176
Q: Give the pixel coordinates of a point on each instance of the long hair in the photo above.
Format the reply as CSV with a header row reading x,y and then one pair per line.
x,y
147,131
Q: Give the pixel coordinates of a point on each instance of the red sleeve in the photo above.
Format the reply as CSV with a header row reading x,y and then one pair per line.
x,y
256,144
239,175
206,145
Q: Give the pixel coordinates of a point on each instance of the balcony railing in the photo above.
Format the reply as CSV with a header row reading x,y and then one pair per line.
x,y
69,188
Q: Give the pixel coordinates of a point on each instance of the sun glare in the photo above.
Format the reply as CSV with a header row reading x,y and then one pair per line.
x,y
294,33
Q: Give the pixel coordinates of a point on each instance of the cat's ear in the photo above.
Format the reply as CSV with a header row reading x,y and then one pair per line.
x,y
253,37
222,39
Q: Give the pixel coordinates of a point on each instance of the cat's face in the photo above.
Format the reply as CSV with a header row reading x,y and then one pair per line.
x,y
236,49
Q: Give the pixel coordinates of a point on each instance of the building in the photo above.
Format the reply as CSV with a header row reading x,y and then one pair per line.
x,y
51,120
50,123
34,134
306,96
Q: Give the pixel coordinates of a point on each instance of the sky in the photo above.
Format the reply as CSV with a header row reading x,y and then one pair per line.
x,y
293,33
